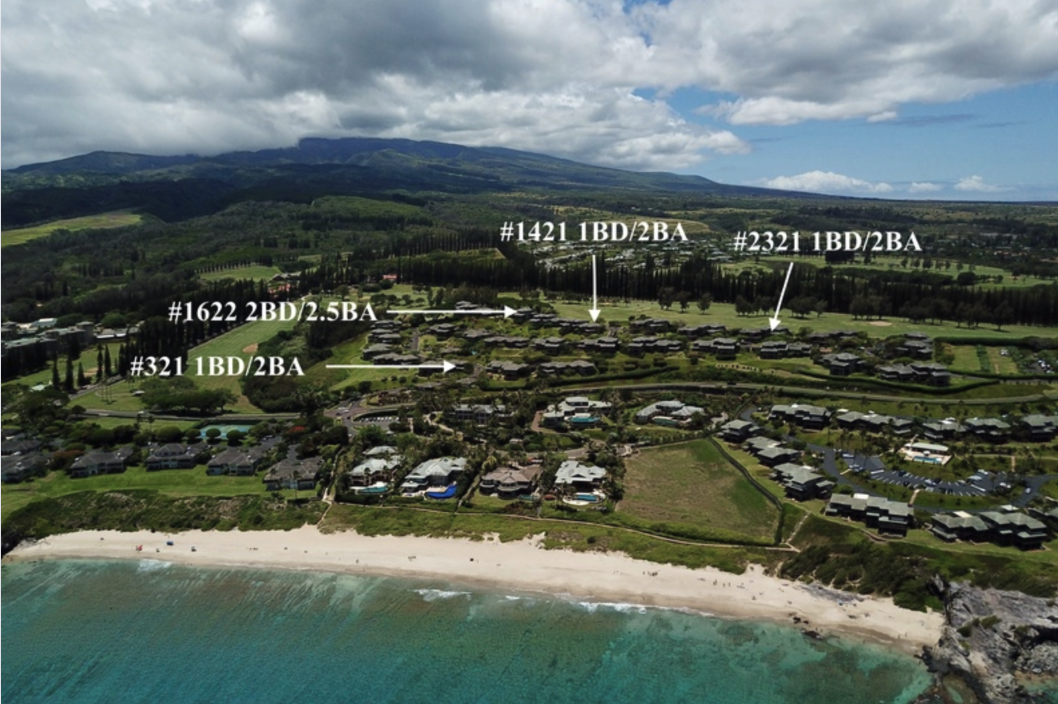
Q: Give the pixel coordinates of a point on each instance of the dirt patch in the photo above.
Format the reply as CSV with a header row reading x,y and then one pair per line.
x,y
875,323
250,349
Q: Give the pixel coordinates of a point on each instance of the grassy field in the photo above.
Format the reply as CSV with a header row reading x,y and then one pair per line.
x,y
692,484
242,272
893,264
241,343
923,537
724,314
87,360
119,218
175,482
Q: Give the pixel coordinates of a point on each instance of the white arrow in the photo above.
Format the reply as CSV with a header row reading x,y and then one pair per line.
x,y
506,312
445,366
774,322
594,312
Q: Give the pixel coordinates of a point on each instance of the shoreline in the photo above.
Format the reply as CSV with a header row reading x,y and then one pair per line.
x,y
522,566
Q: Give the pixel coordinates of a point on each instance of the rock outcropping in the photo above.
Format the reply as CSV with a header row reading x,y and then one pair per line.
x,y
997,642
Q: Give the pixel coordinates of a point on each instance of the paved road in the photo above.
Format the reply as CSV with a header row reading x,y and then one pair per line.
x,y
711,386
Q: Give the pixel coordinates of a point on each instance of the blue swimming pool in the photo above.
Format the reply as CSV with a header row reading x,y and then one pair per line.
x,y
928,460
445,494
587,497
374,490
584,420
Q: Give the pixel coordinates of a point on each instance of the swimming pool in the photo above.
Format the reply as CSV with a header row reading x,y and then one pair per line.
x,y
928,460
375,489
587,497
225,429
445,494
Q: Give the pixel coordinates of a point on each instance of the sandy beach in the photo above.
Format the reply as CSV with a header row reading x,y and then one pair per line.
x,y
520,566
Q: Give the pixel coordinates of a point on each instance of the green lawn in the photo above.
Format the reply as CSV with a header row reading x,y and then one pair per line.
x,y
119,218
176,482
1048,556
86,360
724,314
692,484
240,342
242,272
893,264
349,352
1002,364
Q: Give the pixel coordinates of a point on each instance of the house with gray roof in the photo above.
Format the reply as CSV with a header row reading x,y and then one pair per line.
x,y
172,456
842,363
876,511
1009,526
801,482
959,525
372,470
510,482
990,429
17,468
805,415
292,473
1039,427
667,413
440,471
738,430
95,462
579,477
236,461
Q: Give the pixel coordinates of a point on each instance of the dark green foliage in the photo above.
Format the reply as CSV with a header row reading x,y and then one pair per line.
x,y
149,510
844,556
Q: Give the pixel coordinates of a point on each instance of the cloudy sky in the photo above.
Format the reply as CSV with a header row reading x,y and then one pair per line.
x,y
950,99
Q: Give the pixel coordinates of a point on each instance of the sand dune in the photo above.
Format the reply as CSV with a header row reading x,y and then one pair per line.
x,y
521,566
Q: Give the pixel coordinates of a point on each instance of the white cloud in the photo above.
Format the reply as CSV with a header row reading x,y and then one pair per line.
x,y
977,184
924,187
556,76
826,182
830,59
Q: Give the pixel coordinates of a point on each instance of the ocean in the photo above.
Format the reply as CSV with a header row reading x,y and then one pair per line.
x,y
86,631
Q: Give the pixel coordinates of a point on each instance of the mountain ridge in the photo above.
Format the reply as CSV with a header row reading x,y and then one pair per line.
x,y
175,187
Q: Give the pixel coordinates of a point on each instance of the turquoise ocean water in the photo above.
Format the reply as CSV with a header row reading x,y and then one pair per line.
x,y
148,631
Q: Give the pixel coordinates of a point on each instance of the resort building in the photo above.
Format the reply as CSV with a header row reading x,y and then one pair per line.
x,y
17,468
990,429
510,371
579,411
721,347
373,470
480,414
441,471
1008,526
294,474
172,456
235,461
1040,428
511,482
579,477
959,525
947,429
877,512
667,413
802,414
738,431
577,366
842,363
801,482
